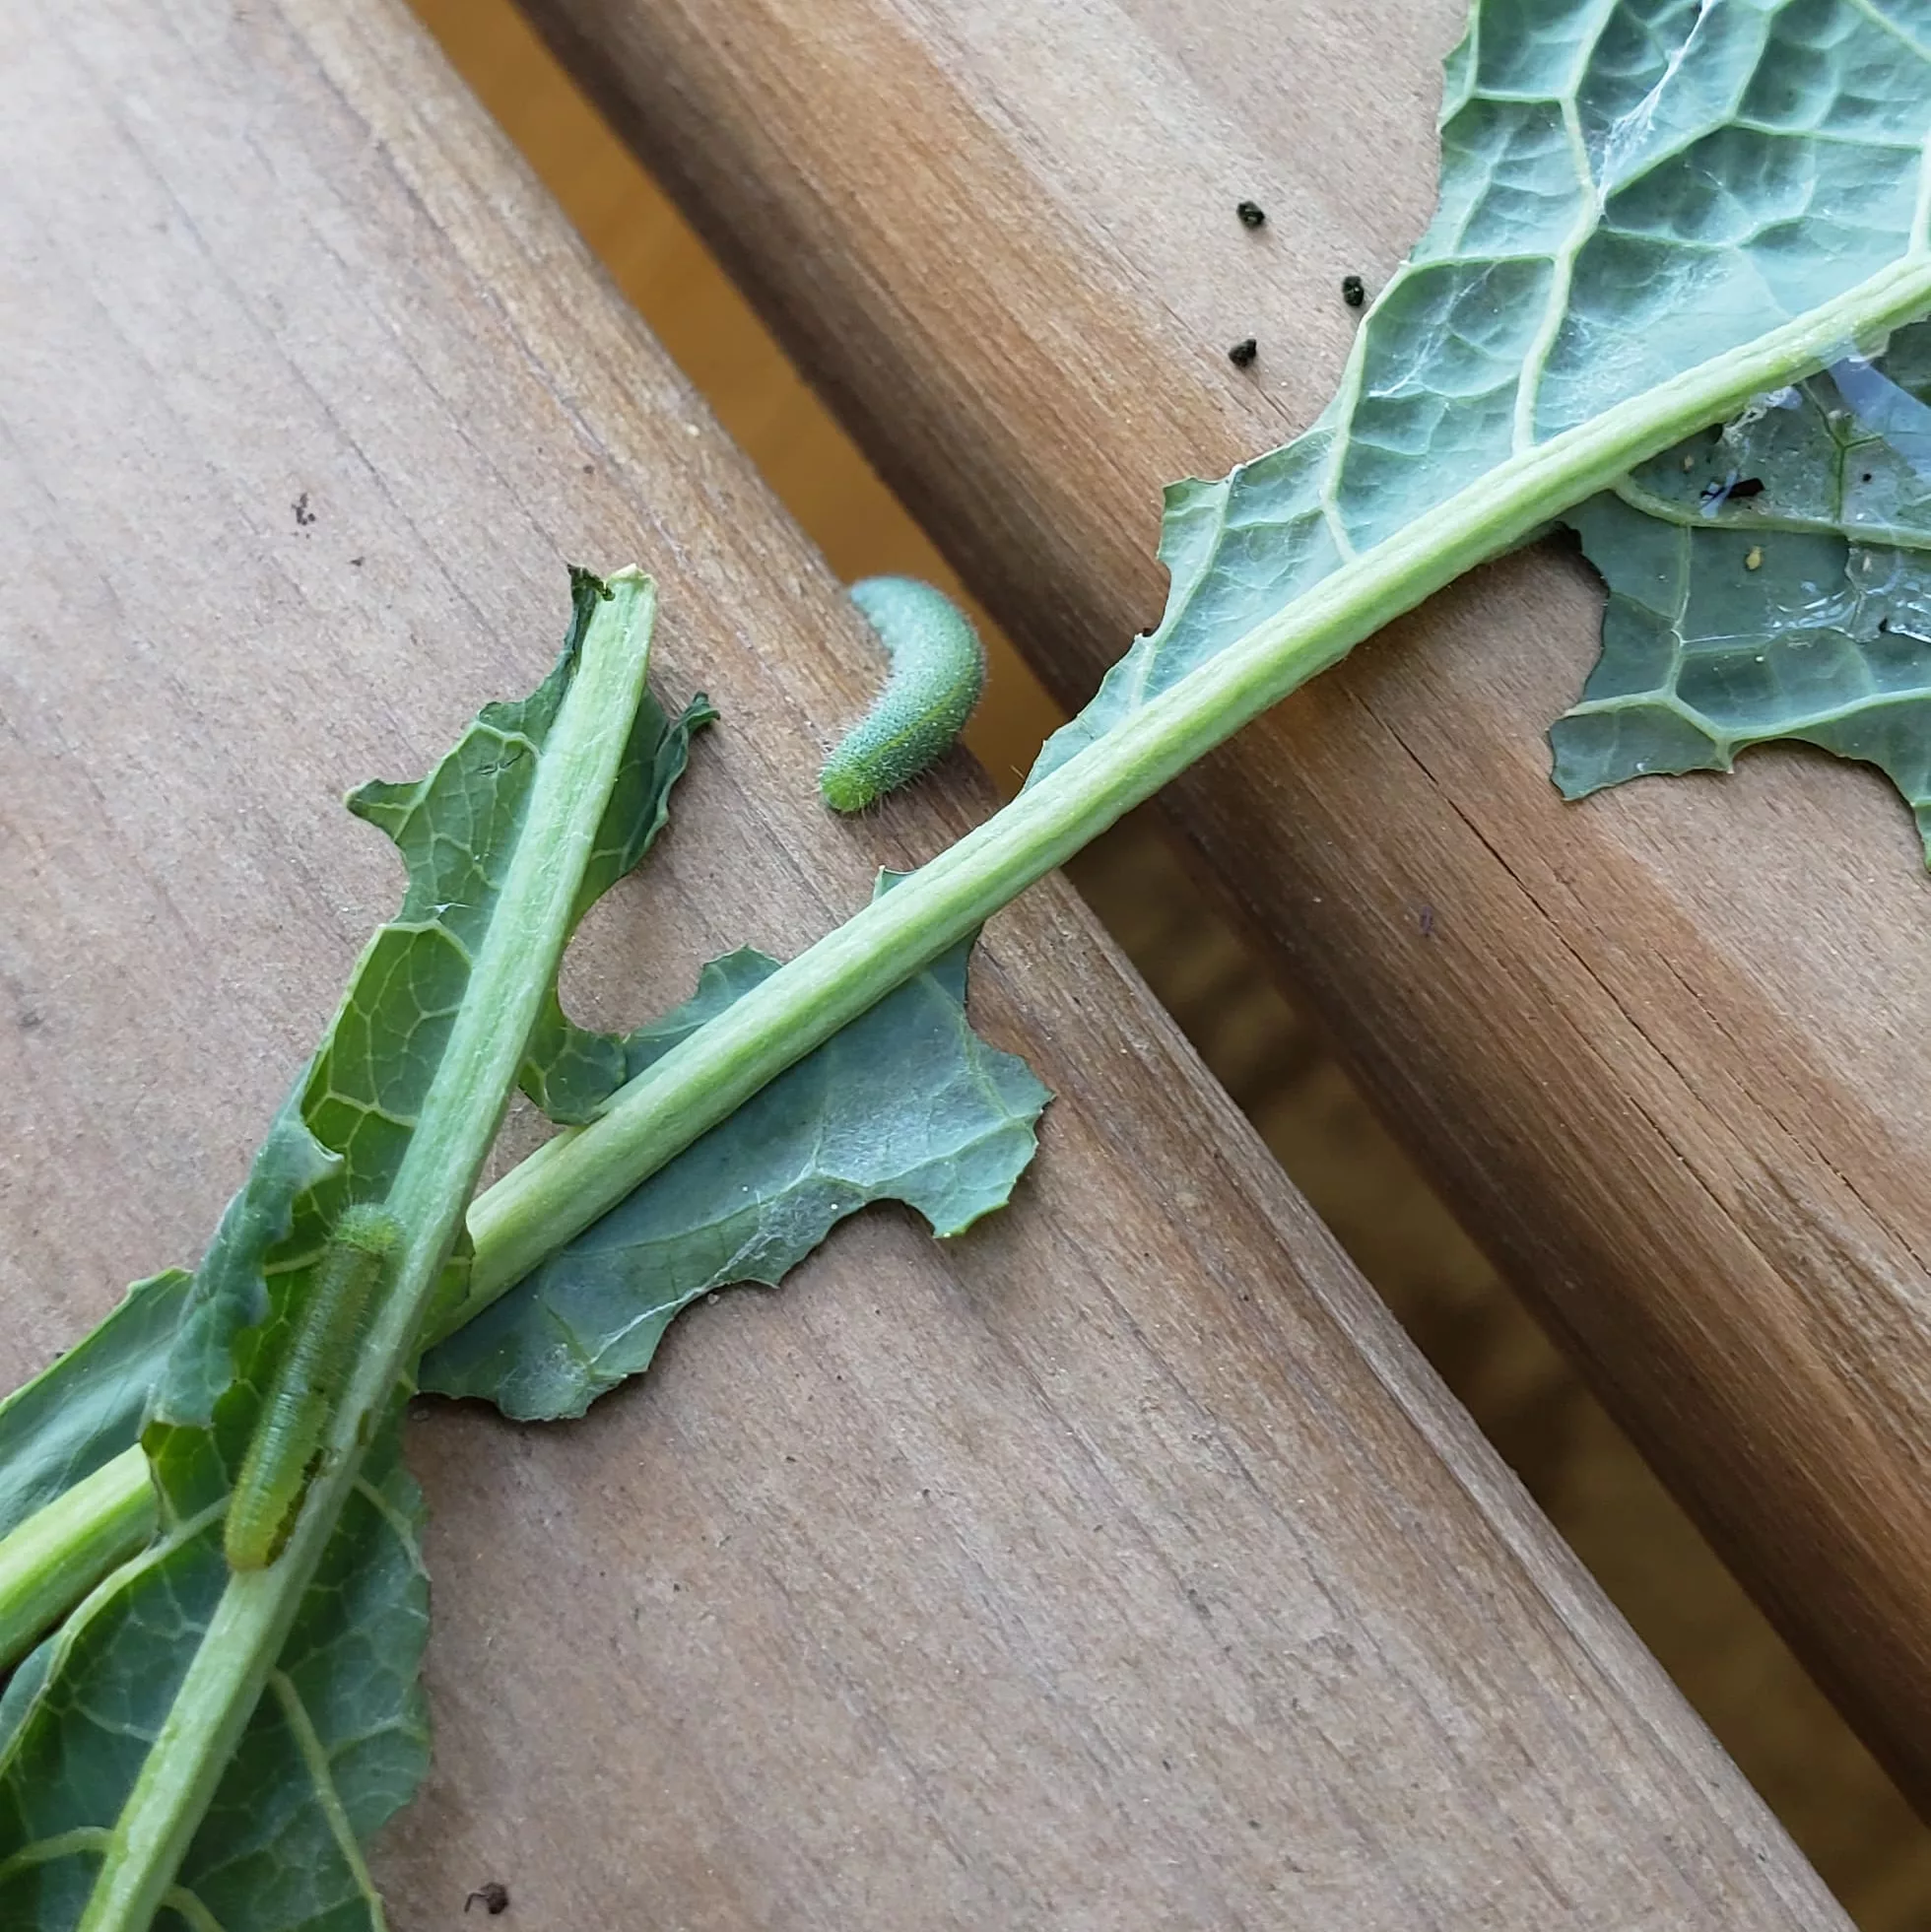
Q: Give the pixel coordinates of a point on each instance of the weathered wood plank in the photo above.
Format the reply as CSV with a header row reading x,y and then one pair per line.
x,y
1660,1049
1118,1564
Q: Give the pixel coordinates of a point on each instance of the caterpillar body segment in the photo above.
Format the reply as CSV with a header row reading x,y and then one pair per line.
x,y
937,671
286,1450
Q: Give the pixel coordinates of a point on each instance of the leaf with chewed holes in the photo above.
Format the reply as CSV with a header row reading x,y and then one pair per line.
x,y
905,1104
1629,192
281,1692
1770,579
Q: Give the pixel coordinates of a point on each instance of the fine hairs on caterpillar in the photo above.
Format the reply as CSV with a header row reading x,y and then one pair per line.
x,y
285,1450
938,670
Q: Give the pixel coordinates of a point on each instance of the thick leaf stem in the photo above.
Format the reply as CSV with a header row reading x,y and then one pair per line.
x,y
580,1174
508,979
61,1551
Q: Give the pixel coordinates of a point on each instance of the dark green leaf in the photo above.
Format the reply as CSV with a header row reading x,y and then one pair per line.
x,y
568,1071
1628,192
337,1745
81,1714
906,1103
1768,579
87,1407
229,1293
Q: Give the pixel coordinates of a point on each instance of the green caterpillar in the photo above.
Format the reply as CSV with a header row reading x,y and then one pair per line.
x,y
286,1450
938,670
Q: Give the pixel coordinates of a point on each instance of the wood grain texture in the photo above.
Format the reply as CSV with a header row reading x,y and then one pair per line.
x,y
1844,1813
1116,1566
1660,1049
657,260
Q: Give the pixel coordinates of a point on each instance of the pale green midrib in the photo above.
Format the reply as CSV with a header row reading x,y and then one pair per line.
x,y
111,1513
322,1775
514,970
399,1525
61,1550
532,1211
1888,26
1665,697
178,1898
43,1851
576,1177
1588,221
118,1521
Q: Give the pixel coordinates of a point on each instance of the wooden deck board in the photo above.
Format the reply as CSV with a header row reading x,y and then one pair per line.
x,y
1118,1564
1661,1051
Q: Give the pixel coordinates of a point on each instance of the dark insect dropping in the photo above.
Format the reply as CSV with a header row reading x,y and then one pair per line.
x,y
1243,353
1252,214
495,1898
1733,489
1354,290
